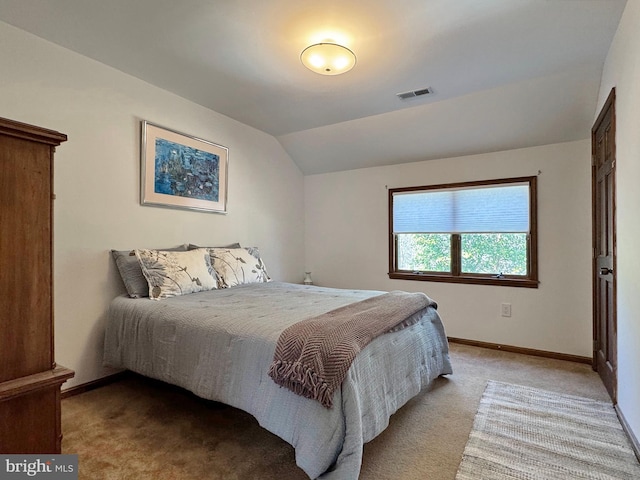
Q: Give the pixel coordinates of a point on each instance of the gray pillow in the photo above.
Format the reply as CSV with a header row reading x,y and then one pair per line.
x,y
131,272
233,245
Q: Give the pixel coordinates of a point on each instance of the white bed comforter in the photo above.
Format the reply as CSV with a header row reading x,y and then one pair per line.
x,y
219,345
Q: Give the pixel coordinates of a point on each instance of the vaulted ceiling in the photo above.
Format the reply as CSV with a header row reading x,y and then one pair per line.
x,y
505,74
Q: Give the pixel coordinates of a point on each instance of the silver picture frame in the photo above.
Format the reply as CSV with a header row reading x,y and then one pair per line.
x,y
182,171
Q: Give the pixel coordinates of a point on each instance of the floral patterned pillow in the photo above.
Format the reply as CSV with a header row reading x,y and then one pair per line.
x,y
131,273
170,274
237,266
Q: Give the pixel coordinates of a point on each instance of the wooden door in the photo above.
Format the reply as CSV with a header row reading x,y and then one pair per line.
x,y
604,246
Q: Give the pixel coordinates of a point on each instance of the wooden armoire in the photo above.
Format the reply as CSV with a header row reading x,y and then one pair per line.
x,y
30,380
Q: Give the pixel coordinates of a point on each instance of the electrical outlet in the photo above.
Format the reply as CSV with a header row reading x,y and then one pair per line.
x,y
506,309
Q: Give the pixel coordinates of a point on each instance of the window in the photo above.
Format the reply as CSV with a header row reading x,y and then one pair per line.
x,y
475,232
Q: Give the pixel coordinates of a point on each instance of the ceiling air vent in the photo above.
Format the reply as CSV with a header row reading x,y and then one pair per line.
x,y
414,93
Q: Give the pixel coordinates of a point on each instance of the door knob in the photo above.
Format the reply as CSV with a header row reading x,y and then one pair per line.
x,y
605,271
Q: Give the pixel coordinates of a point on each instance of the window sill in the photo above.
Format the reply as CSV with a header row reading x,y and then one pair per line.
x,y
469,279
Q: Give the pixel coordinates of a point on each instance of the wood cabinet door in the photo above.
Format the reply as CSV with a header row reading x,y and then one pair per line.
x,y
25,258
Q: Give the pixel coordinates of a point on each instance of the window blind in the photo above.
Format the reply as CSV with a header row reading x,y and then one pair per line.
x,y
490,209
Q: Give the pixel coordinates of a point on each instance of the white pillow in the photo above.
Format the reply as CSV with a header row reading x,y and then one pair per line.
x,y
170,274
237,266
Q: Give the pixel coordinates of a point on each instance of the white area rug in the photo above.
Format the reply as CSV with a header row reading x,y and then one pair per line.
x,y
525,433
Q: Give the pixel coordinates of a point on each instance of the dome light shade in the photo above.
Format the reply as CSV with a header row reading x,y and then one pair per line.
x,y
328,58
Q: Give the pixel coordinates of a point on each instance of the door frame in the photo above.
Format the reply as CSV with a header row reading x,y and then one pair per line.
x,y
609,104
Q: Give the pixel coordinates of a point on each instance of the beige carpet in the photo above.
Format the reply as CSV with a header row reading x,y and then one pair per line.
x,y
144,430
531,434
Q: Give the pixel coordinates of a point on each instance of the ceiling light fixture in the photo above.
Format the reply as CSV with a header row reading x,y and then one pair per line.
x,y
328,58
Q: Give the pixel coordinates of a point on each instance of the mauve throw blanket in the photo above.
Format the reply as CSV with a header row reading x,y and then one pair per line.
x,y
312,356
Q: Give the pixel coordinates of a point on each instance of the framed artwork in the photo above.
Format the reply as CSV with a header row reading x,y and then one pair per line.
x,y
181,171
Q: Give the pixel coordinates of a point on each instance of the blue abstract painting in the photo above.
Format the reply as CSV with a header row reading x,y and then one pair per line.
x,y
185,171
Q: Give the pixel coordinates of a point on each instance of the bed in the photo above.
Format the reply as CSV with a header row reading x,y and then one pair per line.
x,y
219,344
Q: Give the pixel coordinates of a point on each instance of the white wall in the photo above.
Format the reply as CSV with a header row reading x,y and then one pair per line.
x,y
347,230
97,183
622,70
